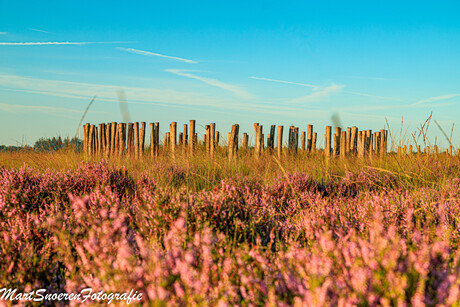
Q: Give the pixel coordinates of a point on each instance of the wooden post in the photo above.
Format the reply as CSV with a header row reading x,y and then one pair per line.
x,y
136,140
217,138
130,140
108,139
376,143
309,137
152,140
142,140
383,142
192,134
436,149
348,142
279,145
296,139
91,140
313,141
261,139
368,147
173,138
120,139
231,143
419,149
450,150
181,139
205,137
236,139
337,145
354,140
100,143
208,139
327,142
245,141
272,137
410,149
123,145
166,141
114,139
360,144
86,140
256,139
343,144
302,140
212,140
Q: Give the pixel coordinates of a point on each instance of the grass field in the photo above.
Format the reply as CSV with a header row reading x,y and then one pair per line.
x,y
301,231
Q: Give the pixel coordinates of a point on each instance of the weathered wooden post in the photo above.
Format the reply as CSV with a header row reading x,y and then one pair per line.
x,y
450,150
130,140
279,145
343,144
86,140
108,139
337,145
142,140
376,143
91,140
303,140
136,140
120,139
272,137
185,136
296,139
192,136
236,139
245,141
166,142
348,142
173,138
114,139
410,150
309,137
231,143
368,146
256,140
354,140
419,149
360,144
212,140
152,140
208,139
181,139
313,142
100,143
383,142
327,141
436,150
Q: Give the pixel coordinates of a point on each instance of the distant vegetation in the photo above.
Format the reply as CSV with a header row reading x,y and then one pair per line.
x,y
48,144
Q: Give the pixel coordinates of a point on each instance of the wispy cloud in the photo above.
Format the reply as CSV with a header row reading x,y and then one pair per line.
x,y
148,53
52,43
3,33
38,30
287,82
431,99
318,95
168,98
317,87
237,91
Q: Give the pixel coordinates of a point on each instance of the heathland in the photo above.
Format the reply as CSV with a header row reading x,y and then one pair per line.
x,y
193,230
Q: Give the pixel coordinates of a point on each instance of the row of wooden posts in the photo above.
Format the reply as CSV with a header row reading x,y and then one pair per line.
x,y
119,139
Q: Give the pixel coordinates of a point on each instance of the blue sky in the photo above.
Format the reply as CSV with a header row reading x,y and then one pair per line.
x,y
271,62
